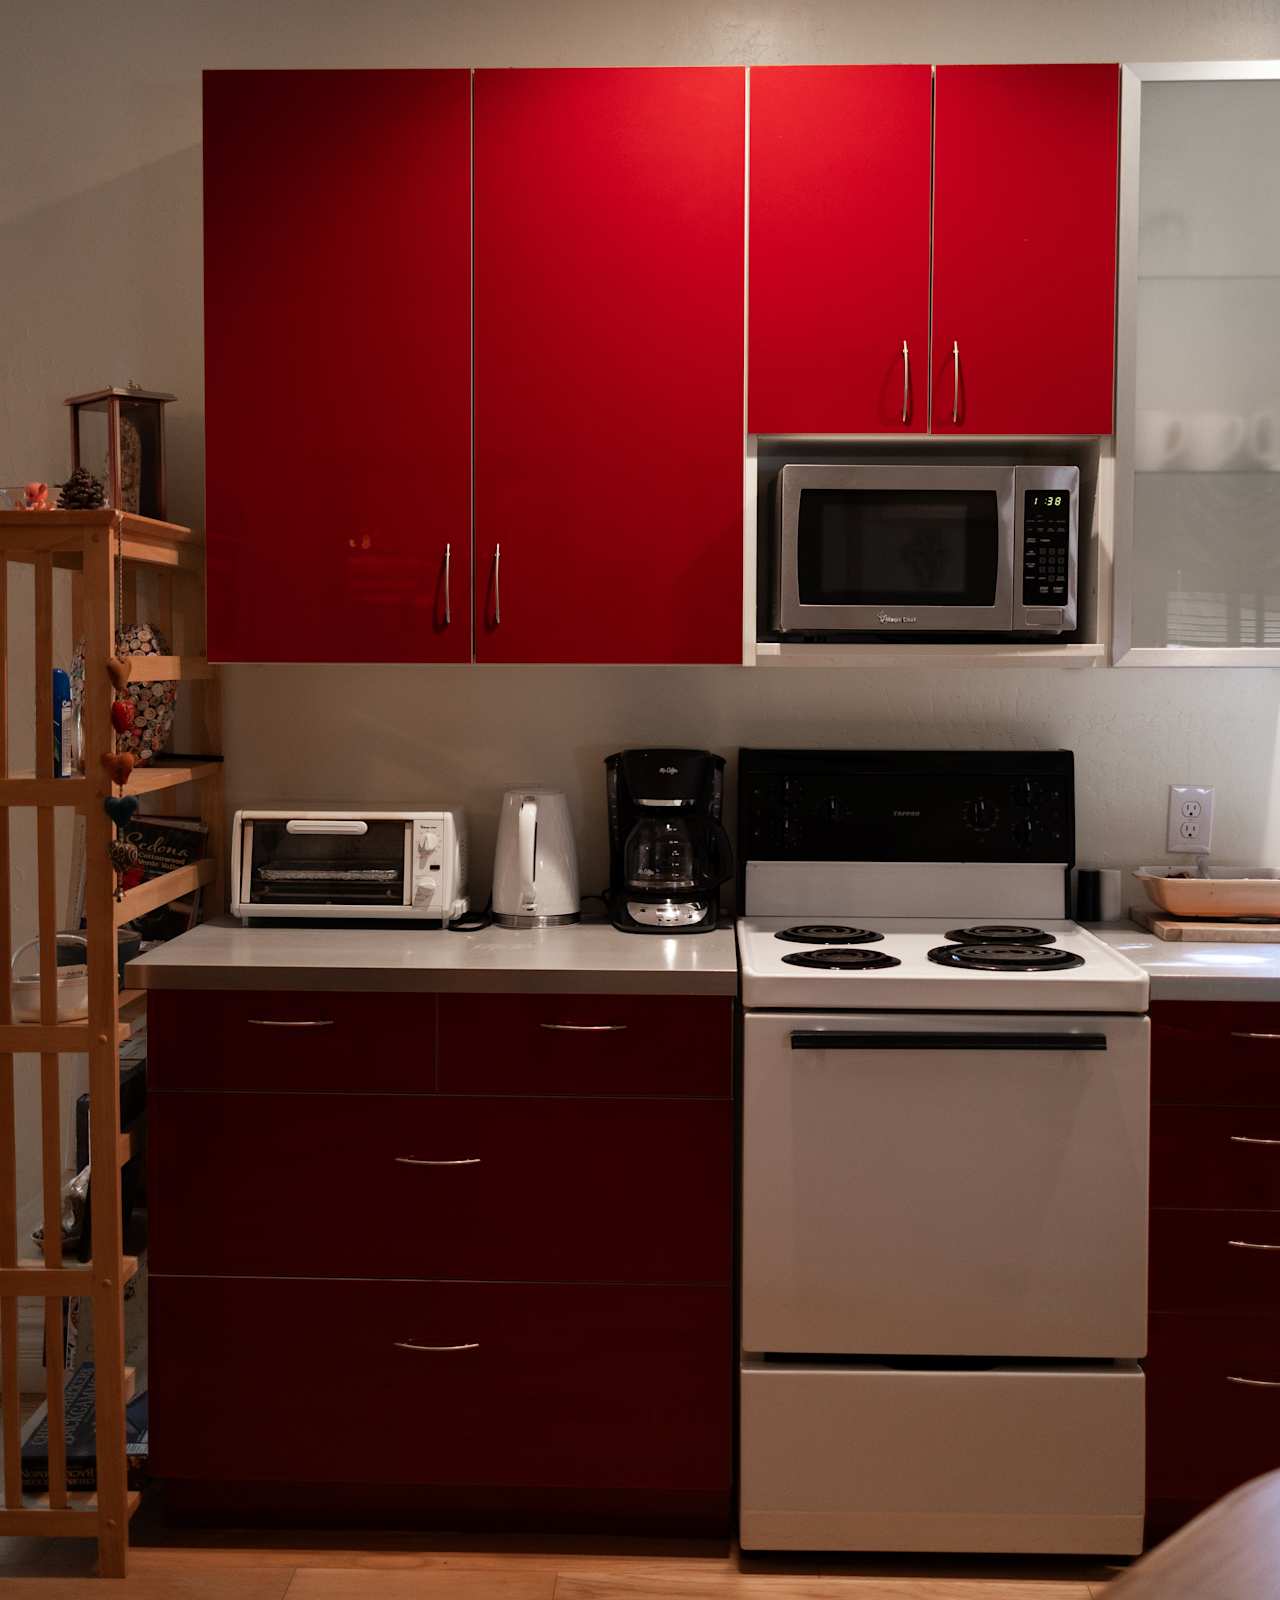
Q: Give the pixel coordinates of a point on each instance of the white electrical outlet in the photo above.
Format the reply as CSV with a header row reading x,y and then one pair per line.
x,y
1190,818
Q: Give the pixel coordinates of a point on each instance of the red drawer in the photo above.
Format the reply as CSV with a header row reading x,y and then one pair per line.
x,y
308,1381
634,1191
1206,1431
1215,1261
257,1040
586,1044
1215,1054
1215,1156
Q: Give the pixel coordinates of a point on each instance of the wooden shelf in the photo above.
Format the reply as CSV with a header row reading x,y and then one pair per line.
x,y
34,1279
130,1004
156,669
36,1519
26,534
163,890
147,780
25,789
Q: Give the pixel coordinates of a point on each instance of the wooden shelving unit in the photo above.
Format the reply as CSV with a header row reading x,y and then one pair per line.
x,y
163,569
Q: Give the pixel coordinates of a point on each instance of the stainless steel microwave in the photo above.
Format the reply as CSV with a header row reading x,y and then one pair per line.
x,y
926,549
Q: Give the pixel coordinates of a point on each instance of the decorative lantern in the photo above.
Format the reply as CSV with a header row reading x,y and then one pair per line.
x,y
118,434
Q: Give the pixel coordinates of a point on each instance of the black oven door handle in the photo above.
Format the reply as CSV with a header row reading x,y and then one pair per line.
x,y
811,1040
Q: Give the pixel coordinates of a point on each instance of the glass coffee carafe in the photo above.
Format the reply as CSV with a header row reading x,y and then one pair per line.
x,y
676,856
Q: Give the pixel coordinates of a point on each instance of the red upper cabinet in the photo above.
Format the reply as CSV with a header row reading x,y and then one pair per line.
x,y
337,365
839,267
1024,248
609,364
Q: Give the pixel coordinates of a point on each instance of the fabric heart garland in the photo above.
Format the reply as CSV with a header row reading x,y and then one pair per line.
x,y
121,808
122,715
119,765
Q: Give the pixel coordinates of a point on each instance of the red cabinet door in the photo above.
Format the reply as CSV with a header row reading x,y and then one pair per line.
x,y
839,235
1024,248
337,365
608,364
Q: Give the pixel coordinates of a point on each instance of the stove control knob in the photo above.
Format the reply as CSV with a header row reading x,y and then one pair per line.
x,y
1023,834
981,815
1027,794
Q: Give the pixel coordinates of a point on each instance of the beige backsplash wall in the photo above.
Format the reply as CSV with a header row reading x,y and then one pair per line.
x,y
394,736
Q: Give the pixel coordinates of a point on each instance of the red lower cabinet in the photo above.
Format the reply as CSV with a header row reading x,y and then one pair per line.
x,y
465,1384
1213,1364
504,1291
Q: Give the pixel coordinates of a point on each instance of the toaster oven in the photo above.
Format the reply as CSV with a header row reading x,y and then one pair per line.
x,y
410,865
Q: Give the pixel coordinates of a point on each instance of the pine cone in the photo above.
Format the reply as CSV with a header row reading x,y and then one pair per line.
x,y
81,492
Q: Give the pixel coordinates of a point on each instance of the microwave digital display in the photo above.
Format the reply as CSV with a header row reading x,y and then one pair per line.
x,y
898,548
1046,547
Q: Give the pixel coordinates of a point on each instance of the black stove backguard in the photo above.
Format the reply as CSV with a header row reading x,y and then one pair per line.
x,y
995,806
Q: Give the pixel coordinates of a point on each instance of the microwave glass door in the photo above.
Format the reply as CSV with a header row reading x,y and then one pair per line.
x,y
895,550
320,862
898,547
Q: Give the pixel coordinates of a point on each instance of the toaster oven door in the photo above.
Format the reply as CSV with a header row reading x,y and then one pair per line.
x,y
325,863
894,550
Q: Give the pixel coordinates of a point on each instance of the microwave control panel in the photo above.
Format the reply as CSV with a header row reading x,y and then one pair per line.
x,y
1046,546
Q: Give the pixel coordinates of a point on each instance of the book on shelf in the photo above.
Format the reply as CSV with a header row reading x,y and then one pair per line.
x,y
81,1441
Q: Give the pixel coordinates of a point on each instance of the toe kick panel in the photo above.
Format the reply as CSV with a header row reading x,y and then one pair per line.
x,y
869,1457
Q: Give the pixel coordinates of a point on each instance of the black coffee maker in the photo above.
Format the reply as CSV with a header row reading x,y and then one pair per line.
x,y
668,854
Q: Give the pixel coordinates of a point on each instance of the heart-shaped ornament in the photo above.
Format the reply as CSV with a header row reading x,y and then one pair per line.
x,y
132,878
118,670
120,808
122,715
119,766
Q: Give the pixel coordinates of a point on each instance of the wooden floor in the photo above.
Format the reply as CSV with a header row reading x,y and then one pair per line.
x,y
256,1566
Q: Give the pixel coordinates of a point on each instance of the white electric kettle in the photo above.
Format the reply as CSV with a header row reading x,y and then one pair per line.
x,y
535,865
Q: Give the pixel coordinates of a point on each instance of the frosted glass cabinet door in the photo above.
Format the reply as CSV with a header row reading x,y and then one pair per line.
x,y
1205,555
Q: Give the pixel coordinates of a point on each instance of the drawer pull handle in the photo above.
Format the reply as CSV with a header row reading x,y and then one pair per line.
x,y
1256,1383
408,1344
1255,1035
424,1161
271,1022
1247,1138
584,1027
1248,1244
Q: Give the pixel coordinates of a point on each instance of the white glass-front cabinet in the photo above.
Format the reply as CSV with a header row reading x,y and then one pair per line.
x,y
1197,517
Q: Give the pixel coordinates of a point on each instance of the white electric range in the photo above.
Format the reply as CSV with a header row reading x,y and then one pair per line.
x,y
945,1133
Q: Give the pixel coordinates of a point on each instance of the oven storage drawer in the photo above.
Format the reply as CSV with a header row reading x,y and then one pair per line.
x,y
587,1044
868,1457
562,1385
952,1185
477,1188
291,1041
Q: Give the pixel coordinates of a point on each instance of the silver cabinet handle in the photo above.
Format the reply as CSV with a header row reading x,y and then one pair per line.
x,y
497,585
955,380
422,1161
906,379
408,1344
1255,1035
272,1022
448,603
584,1027
1245,1138
1248,1244
1256,1383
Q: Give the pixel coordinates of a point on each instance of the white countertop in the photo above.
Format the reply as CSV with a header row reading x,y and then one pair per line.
x,y
1184,970
583,958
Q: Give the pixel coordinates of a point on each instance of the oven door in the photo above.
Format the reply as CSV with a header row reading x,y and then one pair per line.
x,y
945,1185
894,550
324,866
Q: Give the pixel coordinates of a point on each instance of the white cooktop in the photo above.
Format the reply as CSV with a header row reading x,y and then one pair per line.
x,y
1107,981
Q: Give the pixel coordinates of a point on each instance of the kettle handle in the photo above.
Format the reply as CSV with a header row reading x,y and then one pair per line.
x,y
527,851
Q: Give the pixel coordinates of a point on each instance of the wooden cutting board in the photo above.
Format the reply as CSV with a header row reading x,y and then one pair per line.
x,y
1204,931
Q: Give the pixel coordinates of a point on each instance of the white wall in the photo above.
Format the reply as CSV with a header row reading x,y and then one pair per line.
x,y
100,281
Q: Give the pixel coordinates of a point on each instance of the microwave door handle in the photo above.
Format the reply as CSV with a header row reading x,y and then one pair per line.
x,y
343,825
527,850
